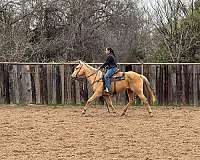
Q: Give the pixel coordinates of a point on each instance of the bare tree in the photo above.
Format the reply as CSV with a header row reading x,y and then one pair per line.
x,y
65,30
179,38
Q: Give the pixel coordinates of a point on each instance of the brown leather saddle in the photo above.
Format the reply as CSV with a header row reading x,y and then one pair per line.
x,y
118,76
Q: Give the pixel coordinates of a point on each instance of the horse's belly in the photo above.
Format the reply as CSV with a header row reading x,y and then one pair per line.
x,y
119,86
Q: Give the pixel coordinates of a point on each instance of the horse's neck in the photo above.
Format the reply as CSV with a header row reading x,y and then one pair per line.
x,y
93,77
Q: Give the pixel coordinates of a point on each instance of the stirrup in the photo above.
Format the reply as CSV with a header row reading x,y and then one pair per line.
x,y
106,90
106,93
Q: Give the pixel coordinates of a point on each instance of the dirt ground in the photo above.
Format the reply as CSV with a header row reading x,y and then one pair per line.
x,y
51,133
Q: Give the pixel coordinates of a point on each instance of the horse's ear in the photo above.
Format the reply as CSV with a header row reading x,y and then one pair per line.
x,y
80,62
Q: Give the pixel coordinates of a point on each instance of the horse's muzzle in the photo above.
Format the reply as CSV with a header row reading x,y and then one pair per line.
x,y
76,78
73,77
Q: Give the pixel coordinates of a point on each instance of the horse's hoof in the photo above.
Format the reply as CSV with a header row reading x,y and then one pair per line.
x,y
151,115
123,114
83,112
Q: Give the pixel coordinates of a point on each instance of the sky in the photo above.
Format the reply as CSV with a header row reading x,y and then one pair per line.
x,y
153,3
148,2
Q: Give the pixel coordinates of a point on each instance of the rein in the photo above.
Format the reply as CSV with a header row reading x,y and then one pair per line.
x,y
85,77
96,81
89,76
92,74
78,72
95,78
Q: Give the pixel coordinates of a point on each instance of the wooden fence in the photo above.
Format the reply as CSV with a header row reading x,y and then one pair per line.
x,y
50,83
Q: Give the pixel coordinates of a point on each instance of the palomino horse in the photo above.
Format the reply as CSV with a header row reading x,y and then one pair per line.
x,y
133,83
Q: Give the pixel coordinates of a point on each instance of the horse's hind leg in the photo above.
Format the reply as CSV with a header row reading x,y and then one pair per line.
x,y
130,101
146,103
109,103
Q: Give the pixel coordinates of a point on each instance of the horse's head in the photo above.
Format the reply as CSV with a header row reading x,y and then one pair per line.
x,y
79,70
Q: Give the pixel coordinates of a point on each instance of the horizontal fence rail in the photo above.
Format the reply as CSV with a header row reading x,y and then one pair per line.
x,y
50,83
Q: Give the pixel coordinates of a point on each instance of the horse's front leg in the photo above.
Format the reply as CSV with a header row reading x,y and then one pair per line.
x,y
92,98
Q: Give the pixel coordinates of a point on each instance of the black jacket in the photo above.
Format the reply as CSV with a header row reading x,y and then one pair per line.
x,y
110,62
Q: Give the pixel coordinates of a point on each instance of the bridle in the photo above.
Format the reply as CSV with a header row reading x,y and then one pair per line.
x,y
76,77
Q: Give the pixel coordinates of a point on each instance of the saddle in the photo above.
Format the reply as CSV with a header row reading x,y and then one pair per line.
x,y
117,76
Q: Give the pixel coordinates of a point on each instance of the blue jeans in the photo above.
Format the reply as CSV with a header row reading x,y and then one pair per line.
x,y
107,77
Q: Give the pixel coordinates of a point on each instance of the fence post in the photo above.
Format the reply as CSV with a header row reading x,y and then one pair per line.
x,y
142,69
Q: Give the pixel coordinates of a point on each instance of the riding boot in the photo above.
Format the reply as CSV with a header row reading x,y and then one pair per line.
x,y
107,92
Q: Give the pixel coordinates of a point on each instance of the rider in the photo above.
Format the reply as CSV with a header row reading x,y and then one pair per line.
x,y
111,66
